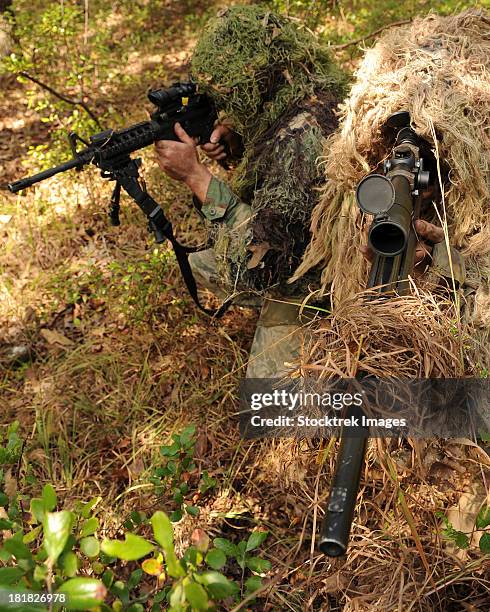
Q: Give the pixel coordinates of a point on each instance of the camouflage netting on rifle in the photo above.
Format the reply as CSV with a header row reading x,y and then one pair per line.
x,y
437,68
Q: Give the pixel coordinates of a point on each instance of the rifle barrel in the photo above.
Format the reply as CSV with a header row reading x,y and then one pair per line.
x,y
40,176
334,535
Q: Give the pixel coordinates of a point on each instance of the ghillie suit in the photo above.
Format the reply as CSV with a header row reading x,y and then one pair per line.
x,y
438,69
277,87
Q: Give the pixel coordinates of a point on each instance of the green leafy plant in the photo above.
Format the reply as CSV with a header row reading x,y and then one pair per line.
x,y
10,452
61,63
461,539
174,474
46,551
11,445
241,553
206,483
137,286
178,463
482,522
194,581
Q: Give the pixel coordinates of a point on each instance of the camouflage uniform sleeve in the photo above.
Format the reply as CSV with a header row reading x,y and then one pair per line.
x,y
222,205
258,245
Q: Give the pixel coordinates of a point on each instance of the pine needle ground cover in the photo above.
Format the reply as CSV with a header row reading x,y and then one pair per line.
x,y
121,401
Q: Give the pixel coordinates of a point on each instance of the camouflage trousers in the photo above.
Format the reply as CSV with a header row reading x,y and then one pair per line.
x,y
280,337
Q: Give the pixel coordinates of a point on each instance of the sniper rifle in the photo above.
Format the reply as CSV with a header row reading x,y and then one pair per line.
x,y
394,198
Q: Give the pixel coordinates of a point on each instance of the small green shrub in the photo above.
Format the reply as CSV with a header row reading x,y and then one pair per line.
x,y
193,586
48,549
461,539
173,475
49,555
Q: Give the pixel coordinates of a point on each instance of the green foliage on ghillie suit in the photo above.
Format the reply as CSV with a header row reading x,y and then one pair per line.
x,y
262,70
258,66
437,68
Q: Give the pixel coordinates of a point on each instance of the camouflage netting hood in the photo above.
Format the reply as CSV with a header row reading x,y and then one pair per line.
x,y
256,64
266,74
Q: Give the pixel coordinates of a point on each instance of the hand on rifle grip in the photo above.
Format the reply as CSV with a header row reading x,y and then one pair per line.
x,y
218,146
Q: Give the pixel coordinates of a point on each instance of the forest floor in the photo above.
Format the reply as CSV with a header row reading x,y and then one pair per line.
x,y
114,359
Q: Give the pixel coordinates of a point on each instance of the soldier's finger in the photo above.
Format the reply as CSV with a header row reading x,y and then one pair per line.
x,y
210,148
219,149
216,154
429,231
183,135
218,132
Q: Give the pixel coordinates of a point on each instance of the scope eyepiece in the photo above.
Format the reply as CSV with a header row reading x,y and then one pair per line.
x,y
407,136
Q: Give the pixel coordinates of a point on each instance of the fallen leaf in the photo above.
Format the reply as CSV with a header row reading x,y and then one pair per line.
x,y
54,337
136,468
463,516
482,455
258,252
98,331
201,445
440,471
334,583
37,454
9,484
200,539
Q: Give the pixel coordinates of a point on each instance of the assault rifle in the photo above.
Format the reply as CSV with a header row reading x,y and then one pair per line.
x,y
394,198
111,152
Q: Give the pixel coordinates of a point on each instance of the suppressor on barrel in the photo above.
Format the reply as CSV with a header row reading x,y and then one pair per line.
x,y
334,535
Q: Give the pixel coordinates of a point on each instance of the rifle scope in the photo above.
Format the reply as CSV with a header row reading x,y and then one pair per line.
x,y
394,199
390,197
